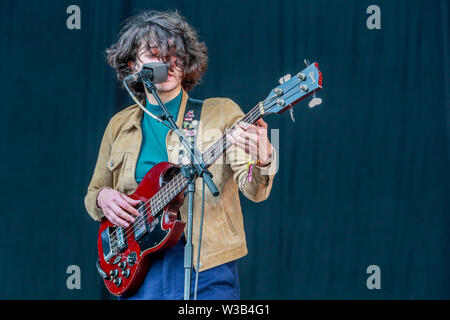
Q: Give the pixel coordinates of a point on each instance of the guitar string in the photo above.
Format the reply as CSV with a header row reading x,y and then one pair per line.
x,y
252,113
167,192
167,189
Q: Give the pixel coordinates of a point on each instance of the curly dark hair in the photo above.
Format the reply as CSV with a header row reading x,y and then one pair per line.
x,y
173,37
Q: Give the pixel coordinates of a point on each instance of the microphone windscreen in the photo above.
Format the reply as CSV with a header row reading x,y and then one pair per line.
x,y
160,71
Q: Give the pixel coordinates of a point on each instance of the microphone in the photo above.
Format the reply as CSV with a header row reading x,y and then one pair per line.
x,y
156,72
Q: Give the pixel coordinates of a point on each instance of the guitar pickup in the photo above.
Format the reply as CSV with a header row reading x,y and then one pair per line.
x,y
121,240
140,227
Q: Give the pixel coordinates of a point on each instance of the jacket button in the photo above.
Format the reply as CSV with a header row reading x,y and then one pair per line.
x,y
170,148
111,163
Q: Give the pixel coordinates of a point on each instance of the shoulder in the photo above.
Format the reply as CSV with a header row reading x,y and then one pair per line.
x,y
124,118
219,105
221,112
125,115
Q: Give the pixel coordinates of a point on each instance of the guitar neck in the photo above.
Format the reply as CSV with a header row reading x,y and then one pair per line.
x,y
179,182
290,91
221,145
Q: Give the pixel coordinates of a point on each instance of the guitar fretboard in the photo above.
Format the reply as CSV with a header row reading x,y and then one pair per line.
x,y
290,91
169,191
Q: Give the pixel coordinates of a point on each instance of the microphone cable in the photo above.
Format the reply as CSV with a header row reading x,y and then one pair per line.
x,y
125,84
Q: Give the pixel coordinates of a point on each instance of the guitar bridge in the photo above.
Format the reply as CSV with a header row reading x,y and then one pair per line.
x,y
113,242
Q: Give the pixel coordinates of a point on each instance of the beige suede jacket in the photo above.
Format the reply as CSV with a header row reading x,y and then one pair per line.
x,y
223,237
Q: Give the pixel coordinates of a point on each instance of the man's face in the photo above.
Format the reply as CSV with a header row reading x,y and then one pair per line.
x,y
175,76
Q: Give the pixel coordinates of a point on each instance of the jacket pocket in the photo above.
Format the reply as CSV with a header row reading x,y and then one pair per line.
x,y
115,165
230,224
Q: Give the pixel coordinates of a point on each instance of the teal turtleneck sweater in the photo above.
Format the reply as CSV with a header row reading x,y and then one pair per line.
x,y
153,148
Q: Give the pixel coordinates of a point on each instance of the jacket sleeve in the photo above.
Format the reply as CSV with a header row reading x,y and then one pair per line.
x,y
258,189
102,177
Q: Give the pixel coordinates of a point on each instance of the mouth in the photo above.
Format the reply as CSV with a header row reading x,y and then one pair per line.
x,y
169,78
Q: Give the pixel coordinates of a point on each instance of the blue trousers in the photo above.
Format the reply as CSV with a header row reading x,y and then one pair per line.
x,y
165,279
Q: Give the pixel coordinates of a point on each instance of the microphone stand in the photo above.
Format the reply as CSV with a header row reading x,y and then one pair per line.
x,y
197,168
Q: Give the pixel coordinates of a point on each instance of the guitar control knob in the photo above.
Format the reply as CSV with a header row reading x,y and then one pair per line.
x,y
131,258
116,259
122,265
126,273
114,273
117,281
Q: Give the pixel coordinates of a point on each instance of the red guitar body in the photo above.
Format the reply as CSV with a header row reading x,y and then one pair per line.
x,y
125,254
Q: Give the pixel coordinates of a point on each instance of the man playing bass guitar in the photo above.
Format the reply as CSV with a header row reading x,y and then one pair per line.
x,y
133,143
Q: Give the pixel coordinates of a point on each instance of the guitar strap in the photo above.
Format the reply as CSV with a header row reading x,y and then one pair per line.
x,y
191,122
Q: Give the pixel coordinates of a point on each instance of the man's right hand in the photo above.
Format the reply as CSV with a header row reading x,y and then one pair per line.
x,y
117,207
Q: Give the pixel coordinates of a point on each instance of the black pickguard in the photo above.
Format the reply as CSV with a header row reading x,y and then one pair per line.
x,y
155,234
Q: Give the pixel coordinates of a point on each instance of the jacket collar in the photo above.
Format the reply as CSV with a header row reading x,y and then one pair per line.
x,y
134,119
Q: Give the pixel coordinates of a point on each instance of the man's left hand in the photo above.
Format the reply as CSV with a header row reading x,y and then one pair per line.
x,y
253,139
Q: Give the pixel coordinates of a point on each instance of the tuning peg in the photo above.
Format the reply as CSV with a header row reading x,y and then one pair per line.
x,y
291,111
285,78
315,101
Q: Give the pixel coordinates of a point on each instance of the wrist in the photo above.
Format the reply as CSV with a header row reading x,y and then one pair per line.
x,y
265,162
100,196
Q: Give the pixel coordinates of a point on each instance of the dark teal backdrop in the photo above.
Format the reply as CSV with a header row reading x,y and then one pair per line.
x,y
363,178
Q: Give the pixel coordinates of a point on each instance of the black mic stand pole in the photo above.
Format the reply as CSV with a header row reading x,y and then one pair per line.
x,y
197,167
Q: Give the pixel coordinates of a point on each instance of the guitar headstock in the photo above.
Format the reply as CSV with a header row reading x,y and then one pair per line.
x,y
293,89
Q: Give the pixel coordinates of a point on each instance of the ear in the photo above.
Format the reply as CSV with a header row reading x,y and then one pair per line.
x,y
132,66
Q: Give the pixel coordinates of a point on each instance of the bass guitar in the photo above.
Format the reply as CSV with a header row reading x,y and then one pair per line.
x,y
125,254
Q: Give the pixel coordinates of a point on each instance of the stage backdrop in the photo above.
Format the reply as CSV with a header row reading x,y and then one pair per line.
x,y
362,180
